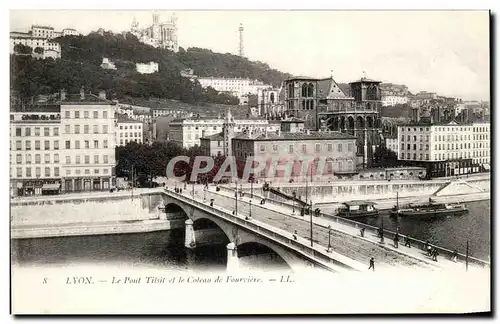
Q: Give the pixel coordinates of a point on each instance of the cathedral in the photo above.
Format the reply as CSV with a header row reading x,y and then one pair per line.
x,y
162,35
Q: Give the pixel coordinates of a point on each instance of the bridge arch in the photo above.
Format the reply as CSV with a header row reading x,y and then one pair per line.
x,y
249,251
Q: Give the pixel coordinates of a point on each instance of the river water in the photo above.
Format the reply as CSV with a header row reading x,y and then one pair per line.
x,y
166,249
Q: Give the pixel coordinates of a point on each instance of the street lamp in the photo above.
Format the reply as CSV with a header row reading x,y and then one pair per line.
x,y
251,187
311,220
250,214
204,194
294,194
236,198
329,236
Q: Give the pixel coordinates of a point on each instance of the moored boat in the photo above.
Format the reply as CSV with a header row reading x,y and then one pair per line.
x,y
430,210
356,209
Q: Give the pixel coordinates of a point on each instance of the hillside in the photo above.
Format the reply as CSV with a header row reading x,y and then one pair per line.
x,y
82,56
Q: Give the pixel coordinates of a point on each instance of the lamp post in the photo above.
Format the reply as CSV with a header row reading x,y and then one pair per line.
x,y
251,187
204,194
250,214
311,220
236,198
329,236
293,202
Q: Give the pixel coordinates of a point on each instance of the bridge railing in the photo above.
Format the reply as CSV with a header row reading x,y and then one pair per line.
x,y
389,235
276,234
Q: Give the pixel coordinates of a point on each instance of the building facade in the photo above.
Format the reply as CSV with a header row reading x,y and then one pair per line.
x,y
146,68
87,143
335,148
187,132
394,100
237,87
159,34
35,151
50,49
128,130
322,104
446,149
269,104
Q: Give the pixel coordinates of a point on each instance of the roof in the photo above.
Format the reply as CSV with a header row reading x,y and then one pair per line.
x,y
24,35
38,108
44,27
214,137
365,80
285,136
75,99
328,88
123,118
302,78
358,203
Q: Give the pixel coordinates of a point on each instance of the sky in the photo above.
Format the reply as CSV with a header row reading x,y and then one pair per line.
x,y
440,51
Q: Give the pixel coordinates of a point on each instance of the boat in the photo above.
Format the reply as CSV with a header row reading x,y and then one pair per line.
x,y
357,209
429,210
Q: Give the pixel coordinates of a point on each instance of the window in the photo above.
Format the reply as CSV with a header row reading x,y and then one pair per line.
x,y
340,147
95,129
275,147
415,147
56,171
47,158
77,129
105,171
105,144
18,131
46,131
55,130
87,171
67,129
47,171
37,145
87,144
28,158
85,129
68,159
96,144
77,144
105,159
77,114
105,114
28,131
19,158
105,129
96,171
330,147
77,159
262,148
96,114
290,148
96,159
349,147
85,114
87,159
37,159
46,145
317,148
56,158
28,172
37,131
68,145
19,172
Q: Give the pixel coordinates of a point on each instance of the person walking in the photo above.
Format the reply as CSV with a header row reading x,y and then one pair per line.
x,y
407,241
295,235
362,232
396,240
372,264
455,256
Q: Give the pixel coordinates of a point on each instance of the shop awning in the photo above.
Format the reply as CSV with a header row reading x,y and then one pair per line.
x,y
486,166
50,186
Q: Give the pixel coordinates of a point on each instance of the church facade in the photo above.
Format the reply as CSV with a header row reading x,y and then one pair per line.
x,y
162,35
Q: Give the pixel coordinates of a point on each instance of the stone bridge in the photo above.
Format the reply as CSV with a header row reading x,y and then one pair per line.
x,y
206,224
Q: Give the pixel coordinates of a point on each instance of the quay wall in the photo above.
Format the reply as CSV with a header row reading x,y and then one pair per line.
x,y
110,207
376,190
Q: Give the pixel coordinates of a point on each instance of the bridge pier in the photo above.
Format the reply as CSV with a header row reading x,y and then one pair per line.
x,y
232,257
189,240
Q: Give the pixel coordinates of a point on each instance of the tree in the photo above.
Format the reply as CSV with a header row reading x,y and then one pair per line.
x,y
39,50
384,157
22,49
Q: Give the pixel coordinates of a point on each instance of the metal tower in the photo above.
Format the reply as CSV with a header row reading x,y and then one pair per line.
x,y
242,53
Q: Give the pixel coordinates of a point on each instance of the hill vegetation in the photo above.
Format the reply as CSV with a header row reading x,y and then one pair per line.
x,y
82,56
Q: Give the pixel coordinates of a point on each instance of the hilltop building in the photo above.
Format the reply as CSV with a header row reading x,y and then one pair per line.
x,y
162,35
238,87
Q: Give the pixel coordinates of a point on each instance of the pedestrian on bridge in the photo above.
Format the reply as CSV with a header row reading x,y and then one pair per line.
x,y
455,256
362,231
372,264
295,235
435,254
396,240
407,241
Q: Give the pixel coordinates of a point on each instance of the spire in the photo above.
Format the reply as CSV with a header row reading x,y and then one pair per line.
x,y
331,74
364,75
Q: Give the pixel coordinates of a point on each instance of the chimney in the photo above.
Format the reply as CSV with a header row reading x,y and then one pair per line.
x,y
82,93
308,132
63,94
102,95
